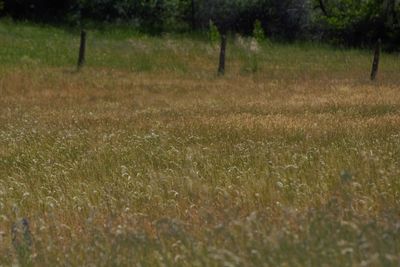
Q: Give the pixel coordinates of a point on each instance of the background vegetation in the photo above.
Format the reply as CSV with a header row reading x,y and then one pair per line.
x,y
350,22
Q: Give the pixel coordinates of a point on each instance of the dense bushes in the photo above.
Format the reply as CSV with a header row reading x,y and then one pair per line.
x,y
353,22
36,9
151,15
357,22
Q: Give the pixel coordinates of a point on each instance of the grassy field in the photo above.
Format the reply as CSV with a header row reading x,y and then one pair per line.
x,y
147,158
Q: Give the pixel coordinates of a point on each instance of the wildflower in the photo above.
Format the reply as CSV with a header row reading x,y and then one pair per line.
x,y
279,184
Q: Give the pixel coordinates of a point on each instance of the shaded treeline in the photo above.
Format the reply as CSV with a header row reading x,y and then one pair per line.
x,y
350,22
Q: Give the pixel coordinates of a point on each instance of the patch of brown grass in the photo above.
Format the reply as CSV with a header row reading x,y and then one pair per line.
x,y
104,160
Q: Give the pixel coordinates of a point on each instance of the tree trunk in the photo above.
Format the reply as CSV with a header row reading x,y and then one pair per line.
x,y
221,68
375,64
82,50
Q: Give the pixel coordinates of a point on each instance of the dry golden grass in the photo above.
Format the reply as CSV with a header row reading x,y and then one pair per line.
x,y
114,167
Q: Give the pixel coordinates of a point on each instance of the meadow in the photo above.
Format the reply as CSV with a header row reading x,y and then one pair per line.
x,y
147,158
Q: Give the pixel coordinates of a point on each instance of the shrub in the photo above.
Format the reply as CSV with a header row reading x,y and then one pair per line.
x,y
213,33
258,32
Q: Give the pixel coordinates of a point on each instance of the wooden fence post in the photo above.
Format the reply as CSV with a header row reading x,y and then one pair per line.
x,y
375,64
82,50
221,67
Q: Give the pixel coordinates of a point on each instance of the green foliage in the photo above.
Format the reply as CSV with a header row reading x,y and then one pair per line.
x,y
213,33
357,22
154,15
225,13
345,14
258,31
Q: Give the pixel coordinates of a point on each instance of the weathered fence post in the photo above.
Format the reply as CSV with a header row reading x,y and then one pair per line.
x,y
221,68
375,64
82,50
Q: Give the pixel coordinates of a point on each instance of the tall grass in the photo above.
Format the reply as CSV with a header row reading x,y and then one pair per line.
x,y
147,158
